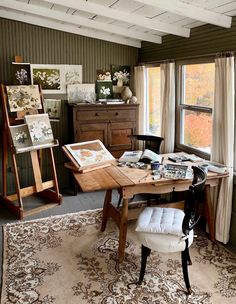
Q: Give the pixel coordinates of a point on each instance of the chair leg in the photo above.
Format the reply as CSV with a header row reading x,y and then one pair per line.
x,y
188,258
145,253
184,256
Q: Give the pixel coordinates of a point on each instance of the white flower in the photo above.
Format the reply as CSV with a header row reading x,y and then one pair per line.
x,y
105,91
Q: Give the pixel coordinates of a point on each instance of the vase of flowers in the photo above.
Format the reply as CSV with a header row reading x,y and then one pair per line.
x,y
122,77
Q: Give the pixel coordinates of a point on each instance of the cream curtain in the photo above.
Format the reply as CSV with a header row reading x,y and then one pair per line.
x,y
223,141
168,106
140,91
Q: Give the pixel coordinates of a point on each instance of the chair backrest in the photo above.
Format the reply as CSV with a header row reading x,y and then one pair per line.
x,y
150,142
191,201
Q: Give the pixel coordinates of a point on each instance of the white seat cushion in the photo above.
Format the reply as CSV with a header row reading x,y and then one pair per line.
x,y
160,229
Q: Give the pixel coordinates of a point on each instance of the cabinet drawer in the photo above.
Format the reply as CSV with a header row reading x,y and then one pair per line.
x,y
109,115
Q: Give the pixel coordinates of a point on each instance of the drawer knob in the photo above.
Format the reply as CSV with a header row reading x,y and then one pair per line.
x,y
117,113
96,114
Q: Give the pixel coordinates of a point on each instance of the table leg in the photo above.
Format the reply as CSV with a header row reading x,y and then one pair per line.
x,y
123,229
209,213
105,212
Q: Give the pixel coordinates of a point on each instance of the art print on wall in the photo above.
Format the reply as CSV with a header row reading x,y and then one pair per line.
x,y
48,76
21,136
89,153
39,128
103,75
120,75
53,108
81,93
104,90
21,73
72,74
21,98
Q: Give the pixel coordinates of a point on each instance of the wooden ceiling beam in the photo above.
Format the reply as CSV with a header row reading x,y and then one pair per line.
x,y
191,11
131,18
68,28
79,21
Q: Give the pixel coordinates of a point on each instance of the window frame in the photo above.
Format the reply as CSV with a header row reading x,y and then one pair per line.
x,y
180,106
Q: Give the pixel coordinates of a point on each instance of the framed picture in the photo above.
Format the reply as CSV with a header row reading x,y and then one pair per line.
x,y
23,97
48,76
104,90
21,136
53,108
81,93
39,128
72,74
21,73
89,153
120,75
103,75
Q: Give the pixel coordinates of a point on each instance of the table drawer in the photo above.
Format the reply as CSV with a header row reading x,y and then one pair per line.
x,y
109,115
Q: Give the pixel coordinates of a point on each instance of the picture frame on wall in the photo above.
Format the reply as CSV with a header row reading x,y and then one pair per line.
x,y
120,75
21,74
48,76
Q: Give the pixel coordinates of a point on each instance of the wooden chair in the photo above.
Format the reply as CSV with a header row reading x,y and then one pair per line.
x,y
150,142
170,229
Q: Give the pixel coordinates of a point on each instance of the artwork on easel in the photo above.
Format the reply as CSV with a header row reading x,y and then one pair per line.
x,y
53,108
21,73
21,136
40,129
89,153
23,97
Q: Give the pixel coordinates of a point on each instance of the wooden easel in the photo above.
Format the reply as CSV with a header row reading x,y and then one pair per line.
x,y
49,190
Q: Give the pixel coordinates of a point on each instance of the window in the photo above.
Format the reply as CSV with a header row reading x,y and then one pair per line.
x,y
195,105
153,122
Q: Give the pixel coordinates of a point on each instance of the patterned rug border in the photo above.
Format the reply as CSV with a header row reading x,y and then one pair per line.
x,y
49,218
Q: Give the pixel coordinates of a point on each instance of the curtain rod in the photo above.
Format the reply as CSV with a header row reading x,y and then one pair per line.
x,y
187,57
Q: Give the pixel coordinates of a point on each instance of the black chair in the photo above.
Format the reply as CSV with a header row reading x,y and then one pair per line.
x,y
172,238
150,142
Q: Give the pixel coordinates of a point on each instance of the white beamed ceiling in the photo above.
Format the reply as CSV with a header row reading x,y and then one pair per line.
x,y
121,21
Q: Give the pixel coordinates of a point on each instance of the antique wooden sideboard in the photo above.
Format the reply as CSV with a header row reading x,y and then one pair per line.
x,y
110,123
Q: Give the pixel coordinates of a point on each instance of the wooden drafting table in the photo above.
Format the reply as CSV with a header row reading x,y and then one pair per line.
x,y
130,181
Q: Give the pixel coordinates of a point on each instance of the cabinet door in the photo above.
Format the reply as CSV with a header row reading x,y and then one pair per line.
x,y
118,140
91,131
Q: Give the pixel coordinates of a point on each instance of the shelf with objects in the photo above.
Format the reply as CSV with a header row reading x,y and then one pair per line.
x,y
26,129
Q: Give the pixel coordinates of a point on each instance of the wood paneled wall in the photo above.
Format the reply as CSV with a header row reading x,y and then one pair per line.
x,y
42,45
206,39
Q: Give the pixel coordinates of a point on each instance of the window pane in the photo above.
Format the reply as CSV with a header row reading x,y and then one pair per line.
x,y
199,84
197,130
153,107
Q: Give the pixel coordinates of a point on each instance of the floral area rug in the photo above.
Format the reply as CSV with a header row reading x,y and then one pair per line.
x,y
66,260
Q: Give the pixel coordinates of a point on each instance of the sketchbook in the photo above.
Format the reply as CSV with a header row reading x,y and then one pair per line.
x,y
144,156
88,154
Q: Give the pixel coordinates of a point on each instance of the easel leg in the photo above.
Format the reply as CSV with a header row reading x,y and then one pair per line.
x,y
123,229
55,176
105,211
17,181
209,213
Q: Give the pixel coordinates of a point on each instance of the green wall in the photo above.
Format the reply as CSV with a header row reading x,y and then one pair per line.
x,y
206,39
42,45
